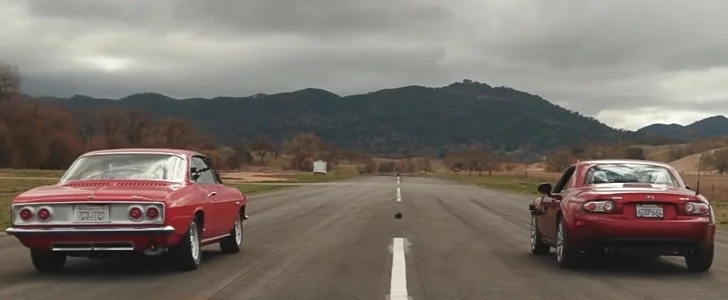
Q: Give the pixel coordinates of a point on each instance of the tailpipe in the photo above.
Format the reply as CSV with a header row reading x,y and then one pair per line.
x,y
154,251
608,250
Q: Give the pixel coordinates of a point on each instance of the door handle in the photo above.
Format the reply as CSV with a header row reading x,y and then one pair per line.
x,y
212,194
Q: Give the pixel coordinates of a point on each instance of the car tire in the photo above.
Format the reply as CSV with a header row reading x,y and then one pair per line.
x,y
234,242
568,255
537,245
47,261
187,255
701,260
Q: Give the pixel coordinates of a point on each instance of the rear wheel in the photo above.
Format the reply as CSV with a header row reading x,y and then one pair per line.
x,y
537,245
186,255
568,255
47,261
701,260
234,241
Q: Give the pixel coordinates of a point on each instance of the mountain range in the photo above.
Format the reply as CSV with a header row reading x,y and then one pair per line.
x,y
407,120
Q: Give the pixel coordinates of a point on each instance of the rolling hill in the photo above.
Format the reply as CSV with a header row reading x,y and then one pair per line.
x,y
408,120
714,126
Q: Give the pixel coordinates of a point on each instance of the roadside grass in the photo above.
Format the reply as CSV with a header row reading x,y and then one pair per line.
x,y
310,178
715,188
31,173
252,188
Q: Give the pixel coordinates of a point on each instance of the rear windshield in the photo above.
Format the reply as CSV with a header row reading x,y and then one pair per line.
x,y
130,166
626,173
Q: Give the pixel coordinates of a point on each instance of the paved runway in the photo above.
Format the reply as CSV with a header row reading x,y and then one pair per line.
x,y
341,241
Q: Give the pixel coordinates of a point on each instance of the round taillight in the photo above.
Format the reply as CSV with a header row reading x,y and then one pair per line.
x,y
703,209
689,207
135,213
608,206
26,214
591,206
152,213
44,214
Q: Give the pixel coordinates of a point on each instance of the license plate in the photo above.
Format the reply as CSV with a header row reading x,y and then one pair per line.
x,y
91,213
649,211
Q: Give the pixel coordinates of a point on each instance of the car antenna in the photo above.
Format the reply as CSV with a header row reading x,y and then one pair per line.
x,y
700,168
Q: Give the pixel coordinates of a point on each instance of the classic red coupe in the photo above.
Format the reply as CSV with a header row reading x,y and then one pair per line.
x,y
627,207
153,201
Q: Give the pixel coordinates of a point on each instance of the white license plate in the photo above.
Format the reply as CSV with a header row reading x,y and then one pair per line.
x,y
649,211
85,213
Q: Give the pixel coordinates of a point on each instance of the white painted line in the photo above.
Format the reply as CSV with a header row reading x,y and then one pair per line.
x,y
398,285
399,194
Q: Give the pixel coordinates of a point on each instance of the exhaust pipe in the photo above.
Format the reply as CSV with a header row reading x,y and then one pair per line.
x,y
154,251
608,250
689,251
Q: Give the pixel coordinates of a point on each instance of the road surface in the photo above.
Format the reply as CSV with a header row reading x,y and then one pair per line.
x,y
342,241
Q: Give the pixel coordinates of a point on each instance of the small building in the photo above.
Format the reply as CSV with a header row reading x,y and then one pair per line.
x,y
320,167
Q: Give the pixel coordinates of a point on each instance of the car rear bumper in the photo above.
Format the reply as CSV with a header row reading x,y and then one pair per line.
x,y
88,231
96,239
660,237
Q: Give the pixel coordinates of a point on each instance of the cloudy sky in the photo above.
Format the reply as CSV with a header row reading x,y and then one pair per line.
x,y
626,62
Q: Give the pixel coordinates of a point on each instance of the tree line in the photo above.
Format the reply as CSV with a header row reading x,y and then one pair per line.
x,y
39,135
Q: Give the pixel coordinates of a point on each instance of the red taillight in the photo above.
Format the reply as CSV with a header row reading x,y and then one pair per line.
x,y
696,208
44,214
26,214
152,213
135,213
599,206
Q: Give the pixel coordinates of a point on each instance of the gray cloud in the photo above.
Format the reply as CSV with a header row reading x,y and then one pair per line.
x,y
618,60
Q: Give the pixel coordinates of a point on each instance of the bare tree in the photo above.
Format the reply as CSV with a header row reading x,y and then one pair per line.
x,y
10,82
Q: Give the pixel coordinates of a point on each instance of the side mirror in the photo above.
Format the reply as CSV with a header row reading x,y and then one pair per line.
x,y
545,188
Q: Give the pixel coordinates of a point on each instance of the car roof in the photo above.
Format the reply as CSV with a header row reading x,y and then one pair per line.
x,y
624,161
144,150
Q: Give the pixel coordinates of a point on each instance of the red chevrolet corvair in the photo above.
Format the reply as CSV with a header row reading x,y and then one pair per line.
x,y
629,207
153,201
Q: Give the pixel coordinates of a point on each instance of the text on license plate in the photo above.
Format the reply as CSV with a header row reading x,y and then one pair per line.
x,y
84,213
649,211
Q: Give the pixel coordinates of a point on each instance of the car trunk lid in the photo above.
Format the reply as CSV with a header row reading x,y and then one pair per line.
x,y
644,201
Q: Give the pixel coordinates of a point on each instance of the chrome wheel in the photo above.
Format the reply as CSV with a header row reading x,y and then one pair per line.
x,y
533,232
238,232
560,243
194,242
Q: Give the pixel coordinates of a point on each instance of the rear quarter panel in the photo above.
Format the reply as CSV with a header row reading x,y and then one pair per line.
x,y
181,207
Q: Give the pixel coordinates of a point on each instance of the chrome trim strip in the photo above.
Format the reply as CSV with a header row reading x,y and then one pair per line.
x,y
76,230
131,201
93,249
215,238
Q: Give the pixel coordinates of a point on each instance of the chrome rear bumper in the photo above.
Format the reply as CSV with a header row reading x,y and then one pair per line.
x,y
85,231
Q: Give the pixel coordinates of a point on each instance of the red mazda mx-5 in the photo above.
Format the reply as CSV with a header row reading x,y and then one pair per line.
x,y
628,207
152,201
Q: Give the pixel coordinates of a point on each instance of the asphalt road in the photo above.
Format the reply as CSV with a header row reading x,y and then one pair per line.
x,y
341,241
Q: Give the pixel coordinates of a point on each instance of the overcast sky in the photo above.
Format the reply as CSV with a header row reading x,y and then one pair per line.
x,y
627,62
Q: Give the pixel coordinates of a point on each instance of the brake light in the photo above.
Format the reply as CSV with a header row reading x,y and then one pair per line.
x,y
26,214
135,213
44,214
696,208
599,206
152,213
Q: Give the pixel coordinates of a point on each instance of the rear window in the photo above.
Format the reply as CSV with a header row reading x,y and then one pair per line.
x,y
127,166
630,172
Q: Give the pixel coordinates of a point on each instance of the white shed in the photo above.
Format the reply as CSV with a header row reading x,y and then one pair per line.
x,y
320,167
